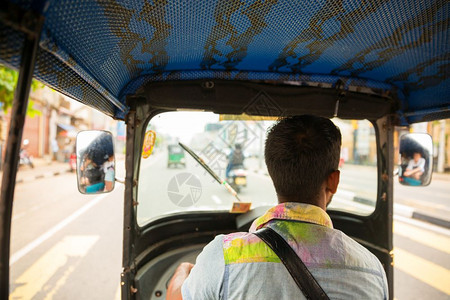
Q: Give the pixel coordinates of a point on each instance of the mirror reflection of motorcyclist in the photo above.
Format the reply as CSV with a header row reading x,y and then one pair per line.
x,y
235,159
92,177
97,165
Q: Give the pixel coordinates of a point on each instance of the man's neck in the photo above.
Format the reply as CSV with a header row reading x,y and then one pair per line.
x,y
283,199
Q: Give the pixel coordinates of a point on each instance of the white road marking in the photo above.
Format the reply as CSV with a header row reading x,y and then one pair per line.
x,y
17,216
25,250
216,199
344,194
422,236
403,210
423,225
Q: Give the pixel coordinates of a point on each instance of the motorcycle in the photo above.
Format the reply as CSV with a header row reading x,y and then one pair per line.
x,y
237,178
24,157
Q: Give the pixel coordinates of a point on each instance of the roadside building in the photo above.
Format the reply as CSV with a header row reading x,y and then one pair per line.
x,y
52,127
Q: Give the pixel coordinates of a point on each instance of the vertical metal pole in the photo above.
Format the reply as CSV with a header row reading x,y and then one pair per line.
x,y
385,204
129,217
18,114
390,202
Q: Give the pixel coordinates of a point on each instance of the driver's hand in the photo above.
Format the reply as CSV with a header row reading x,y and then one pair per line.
x,y
178,278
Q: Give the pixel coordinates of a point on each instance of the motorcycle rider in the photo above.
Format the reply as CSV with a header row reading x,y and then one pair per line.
x,y
235,158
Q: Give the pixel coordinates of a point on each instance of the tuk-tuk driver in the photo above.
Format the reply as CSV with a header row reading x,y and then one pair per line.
x,y
302,157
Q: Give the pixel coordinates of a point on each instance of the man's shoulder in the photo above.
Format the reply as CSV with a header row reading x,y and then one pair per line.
x,y
358,256
245,247
237,235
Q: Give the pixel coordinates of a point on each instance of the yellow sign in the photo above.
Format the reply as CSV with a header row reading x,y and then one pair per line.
x,y
149,142
240,207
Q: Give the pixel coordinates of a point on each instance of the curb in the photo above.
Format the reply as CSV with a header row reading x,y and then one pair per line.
x,y
48,174
40,176
431,219
410,212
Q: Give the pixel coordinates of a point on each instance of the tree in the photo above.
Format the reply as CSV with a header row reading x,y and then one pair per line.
x,y
8,83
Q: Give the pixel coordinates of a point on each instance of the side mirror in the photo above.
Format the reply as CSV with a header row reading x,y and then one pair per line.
x,y
416,159
95,162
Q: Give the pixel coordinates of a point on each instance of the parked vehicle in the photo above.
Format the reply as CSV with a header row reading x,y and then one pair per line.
x,y
180,64
73,162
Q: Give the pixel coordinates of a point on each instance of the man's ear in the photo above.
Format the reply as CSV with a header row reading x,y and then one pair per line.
x,y
333,181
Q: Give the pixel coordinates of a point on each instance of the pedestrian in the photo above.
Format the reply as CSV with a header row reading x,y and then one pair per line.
x,y
55,149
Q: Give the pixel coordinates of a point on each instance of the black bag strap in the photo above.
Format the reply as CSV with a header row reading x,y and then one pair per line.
x,y
299,272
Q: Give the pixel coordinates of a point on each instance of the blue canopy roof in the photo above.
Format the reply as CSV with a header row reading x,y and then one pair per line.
x,y
98,52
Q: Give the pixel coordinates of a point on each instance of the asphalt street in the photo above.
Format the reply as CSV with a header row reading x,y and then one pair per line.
x,y
68,246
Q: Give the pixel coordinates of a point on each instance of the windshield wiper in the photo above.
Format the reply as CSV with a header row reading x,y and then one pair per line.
x,y
237,207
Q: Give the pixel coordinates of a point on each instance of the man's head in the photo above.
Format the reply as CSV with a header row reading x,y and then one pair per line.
x,y
417,156
302,157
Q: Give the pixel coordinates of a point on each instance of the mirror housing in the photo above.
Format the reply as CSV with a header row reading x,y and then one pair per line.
x,y
95,162
416,159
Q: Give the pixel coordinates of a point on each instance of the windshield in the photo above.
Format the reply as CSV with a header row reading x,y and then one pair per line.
x,y
172,181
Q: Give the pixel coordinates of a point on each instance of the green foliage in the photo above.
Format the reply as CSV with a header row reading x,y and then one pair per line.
x,y
8,83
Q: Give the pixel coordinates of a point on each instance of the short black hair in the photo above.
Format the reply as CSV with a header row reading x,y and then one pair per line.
x,y
300,153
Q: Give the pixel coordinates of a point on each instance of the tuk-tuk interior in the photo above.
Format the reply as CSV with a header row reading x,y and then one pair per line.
x,y
381,61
